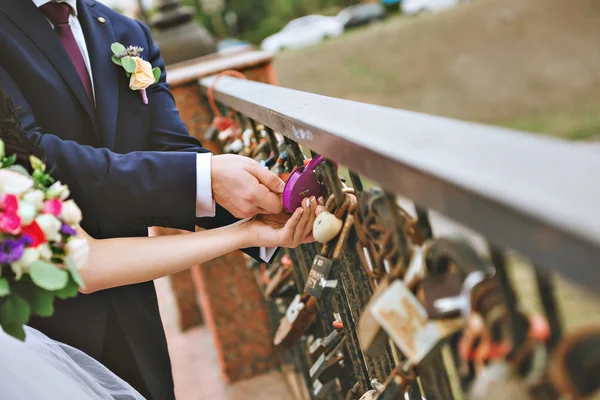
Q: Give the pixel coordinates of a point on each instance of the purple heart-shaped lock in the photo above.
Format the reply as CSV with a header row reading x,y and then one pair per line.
x,y
301,184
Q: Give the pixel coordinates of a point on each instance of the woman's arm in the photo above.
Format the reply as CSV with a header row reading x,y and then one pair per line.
x,y
126,261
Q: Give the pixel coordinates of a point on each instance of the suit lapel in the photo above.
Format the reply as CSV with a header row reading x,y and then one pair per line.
x,y
99,36
33,23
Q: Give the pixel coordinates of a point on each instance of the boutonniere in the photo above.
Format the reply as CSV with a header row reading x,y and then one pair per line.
x,y
140,72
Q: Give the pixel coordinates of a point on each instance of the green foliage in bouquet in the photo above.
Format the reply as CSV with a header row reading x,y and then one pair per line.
x,y
37,234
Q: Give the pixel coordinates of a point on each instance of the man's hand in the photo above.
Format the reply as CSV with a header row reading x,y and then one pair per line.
x,y
244,187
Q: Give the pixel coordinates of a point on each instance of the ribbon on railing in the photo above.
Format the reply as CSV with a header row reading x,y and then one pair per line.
x,y
220,121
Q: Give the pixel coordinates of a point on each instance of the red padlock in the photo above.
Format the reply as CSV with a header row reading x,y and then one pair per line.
x,y
222,123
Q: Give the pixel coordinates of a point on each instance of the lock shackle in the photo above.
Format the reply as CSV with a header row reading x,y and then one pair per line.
x,y
211,90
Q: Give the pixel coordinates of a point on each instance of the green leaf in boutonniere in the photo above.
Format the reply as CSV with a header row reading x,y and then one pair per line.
x,y
116,60
128,63
117,48
156,73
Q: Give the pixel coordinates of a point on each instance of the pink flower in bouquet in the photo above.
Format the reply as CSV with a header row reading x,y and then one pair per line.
x,y
10,222
36,234
9,203
53,207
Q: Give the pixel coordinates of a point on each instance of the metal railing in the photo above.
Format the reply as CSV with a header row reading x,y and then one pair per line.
x,y
535,195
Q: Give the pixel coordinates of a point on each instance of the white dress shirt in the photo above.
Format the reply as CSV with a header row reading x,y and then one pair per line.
x,y
205,205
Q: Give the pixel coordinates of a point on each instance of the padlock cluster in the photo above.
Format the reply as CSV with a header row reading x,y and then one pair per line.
x,y
379,308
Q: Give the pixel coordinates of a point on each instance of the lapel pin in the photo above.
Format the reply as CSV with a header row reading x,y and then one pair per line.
x,y
101,20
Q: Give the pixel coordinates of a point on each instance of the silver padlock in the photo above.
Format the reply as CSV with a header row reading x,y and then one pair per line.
x,y
497,382
370,395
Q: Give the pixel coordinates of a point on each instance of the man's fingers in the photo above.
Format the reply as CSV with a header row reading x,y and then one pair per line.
x,y
267,201
276,219
267,178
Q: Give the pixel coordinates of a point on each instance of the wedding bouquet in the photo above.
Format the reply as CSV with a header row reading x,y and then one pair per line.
x,y
40,255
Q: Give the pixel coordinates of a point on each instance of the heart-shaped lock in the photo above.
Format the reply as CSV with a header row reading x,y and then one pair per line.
x,y
301,184
222,123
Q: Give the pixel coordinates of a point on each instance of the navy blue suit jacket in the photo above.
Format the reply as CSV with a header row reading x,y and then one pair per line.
x,y
128,165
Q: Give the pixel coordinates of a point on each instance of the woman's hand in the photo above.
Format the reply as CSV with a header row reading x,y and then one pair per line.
x,y
284,230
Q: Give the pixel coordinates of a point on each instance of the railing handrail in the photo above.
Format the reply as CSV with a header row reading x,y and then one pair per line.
x,y
535,194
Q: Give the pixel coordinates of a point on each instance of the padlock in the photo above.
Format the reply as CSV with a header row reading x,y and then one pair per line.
x,y
497,382
575,363
281,277
247,137
322,390
405,320
211,133
234,147
326,227
373,339
281,167
223,122
229,133
328,366
319,276
300,315
370,395
303,183
432,288
320,346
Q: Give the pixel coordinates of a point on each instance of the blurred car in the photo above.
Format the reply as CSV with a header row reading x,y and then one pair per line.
x,y
361,14
304,31
231,42
232,45
413,7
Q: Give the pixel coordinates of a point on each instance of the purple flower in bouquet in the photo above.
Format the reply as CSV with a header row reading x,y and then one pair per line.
x,y
11,250
67,230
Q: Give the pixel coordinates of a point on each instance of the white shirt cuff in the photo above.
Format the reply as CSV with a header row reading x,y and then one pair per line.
x,y
205,205
265,253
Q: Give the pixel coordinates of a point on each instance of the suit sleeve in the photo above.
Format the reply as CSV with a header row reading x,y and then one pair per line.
x,y
169,133
142,188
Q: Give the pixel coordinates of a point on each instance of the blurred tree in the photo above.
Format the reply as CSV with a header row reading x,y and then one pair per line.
x,y
257,19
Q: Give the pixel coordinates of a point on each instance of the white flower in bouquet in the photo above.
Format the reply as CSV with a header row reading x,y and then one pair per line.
x,y
70,214
58,191
45,252
79,251
50,225
35,197
26,212
12,182
21,266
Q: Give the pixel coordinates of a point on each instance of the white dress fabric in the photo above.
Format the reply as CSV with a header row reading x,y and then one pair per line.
x,y
41,368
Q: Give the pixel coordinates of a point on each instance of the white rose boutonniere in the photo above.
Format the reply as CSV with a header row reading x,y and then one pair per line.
x,y
140,72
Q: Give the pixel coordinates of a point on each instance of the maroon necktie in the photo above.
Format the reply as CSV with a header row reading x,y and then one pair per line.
x,y
58,14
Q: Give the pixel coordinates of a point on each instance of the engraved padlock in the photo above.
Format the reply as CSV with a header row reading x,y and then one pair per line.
x,y
300,315
301,184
